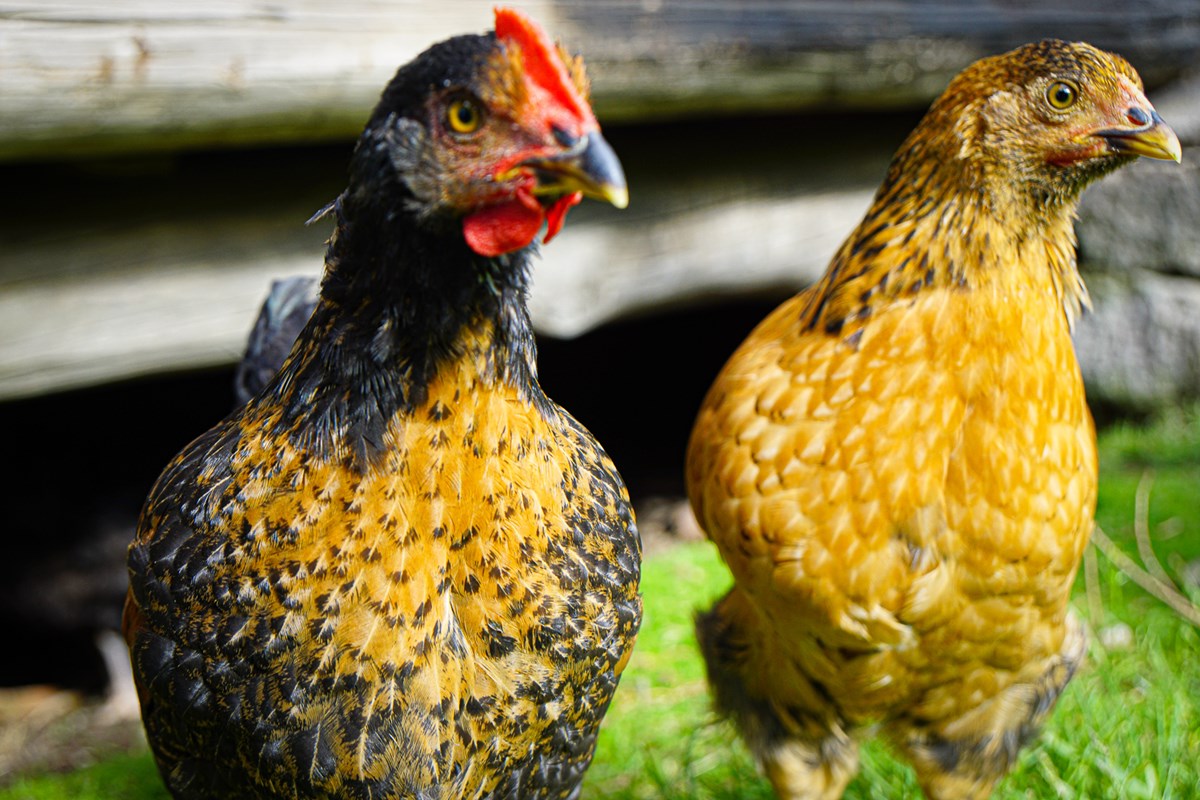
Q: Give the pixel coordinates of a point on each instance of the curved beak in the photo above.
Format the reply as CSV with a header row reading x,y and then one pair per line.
x,y
589,166
1152,139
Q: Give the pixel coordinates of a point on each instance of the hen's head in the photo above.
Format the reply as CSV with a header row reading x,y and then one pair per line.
x,y
1051,116
489,135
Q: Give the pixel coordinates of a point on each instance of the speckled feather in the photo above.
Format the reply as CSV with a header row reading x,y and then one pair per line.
x,y
401,571
899,466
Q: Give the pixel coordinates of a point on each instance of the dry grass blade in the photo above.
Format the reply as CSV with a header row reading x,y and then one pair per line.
x,y
1141,528
1091,582
1164,591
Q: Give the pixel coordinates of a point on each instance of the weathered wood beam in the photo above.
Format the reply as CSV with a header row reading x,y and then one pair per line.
x,y
80,77
164,270
107,275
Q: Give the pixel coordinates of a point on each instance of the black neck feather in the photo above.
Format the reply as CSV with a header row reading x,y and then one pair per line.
x,y
401,300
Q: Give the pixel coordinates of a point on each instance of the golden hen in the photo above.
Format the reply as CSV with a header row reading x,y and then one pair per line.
x,y
899,466
401,571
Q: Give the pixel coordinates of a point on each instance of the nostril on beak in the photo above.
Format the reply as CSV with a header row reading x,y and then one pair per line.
x,y
1138,116
564,137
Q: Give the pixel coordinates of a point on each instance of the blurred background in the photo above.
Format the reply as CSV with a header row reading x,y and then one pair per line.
x,y
159,159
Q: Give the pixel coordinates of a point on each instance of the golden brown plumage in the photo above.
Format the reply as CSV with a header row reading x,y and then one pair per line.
x,y
401,571
898,465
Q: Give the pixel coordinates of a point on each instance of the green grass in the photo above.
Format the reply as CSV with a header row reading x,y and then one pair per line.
x,y
124,777
1167,454
1128,726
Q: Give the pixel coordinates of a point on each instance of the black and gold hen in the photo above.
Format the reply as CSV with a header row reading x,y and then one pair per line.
x,y
401,571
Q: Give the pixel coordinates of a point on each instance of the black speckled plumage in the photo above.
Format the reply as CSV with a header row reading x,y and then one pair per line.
x,y
400,570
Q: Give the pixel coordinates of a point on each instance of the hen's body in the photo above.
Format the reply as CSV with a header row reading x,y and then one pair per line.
x,y
454,617
400,571
899,467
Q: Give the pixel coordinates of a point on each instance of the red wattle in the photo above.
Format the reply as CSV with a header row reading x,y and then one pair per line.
x,y
556,215
504,227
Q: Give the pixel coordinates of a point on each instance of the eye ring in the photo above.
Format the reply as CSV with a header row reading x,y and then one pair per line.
x,y
1061,95
464,115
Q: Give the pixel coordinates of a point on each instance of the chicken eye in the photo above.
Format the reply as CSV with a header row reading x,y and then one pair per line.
x,y
1061,95
464,116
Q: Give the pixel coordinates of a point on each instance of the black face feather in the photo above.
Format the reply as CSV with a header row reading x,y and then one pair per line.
x,y
455,62
397,125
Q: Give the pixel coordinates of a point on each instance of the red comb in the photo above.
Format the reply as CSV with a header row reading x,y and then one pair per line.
x,y
543,64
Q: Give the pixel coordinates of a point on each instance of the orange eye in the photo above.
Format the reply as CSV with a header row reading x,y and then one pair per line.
x,y
464,116
1061,95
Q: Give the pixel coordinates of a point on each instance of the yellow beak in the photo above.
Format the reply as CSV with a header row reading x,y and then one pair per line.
x,y
1154,140
590,166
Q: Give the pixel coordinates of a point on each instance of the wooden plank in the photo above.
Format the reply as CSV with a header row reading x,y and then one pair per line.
x,y
80,77
164,270
123,267
663,58
190,312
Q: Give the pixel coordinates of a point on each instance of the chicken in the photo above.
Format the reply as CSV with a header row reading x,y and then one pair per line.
x,y
898,465
400,570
